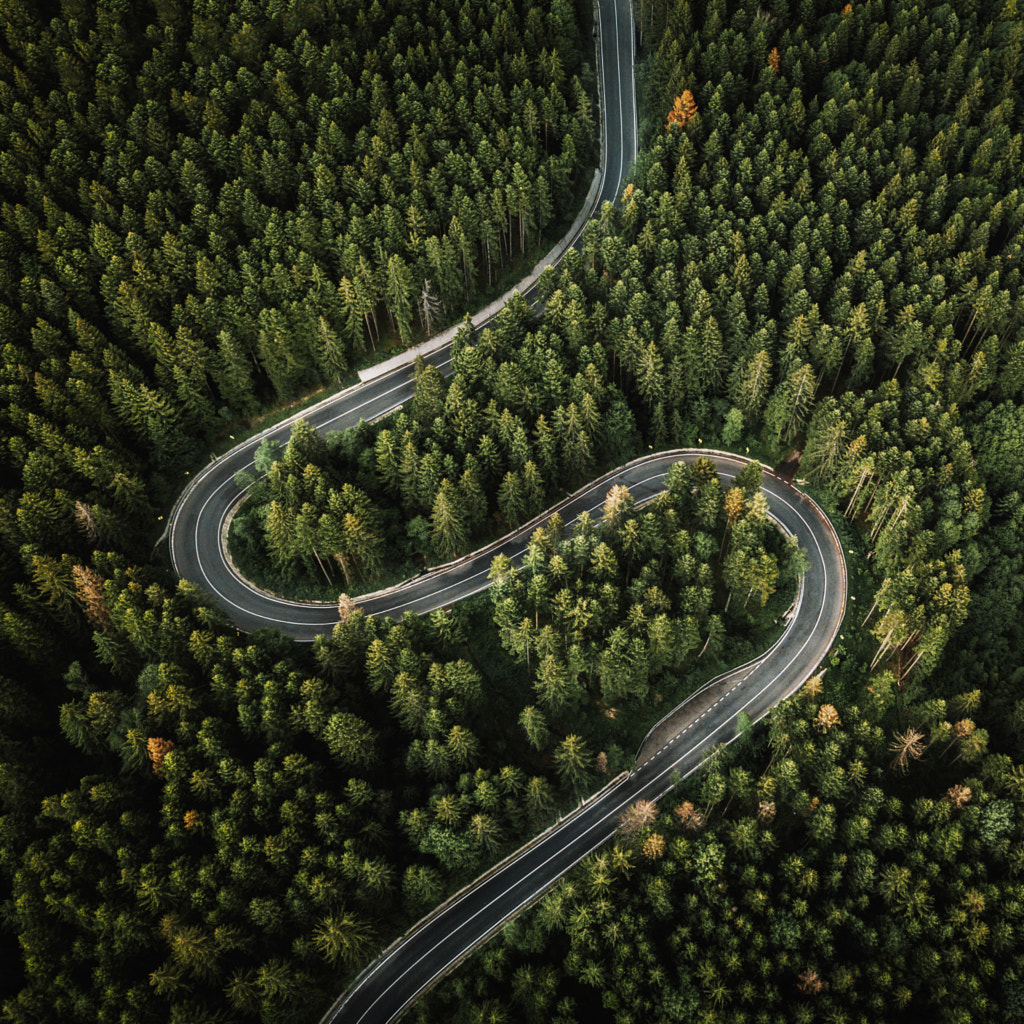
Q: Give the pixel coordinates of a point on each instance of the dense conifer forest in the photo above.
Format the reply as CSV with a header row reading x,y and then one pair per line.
x,y
821,248
209,208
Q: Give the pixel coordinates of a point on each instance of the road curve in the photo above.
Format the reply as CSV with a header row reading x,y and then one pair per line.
x,y
201,512
708,718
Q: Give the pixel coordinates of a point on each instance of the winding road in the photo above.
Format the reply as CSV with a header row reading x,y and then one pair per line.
x,y
200,516
677,744
196,536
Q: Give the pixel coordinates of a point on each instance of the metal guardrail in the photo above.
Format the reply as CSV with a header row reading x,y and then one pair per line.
x,y
339,1004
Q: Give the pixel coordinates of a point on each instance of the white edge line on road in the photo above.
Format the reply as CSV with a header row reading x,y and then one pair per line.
x,y
602,821
812,637
632,83
330,614
622,117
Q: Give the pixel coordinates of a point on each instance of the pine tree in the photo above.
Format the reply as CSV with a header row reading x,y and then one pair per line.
x,y
343,939
429,399
429,307
90,592
473,498
449,530
533,723
398,295
791,403
572,762
511,500
684,108
351,742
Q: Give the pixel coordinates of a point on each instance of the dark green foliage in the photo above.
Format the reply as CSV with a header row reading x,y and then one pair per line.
x,y
254,815
826,258
999,445
843,871
201,209
238,831
525,416
276,182
620,614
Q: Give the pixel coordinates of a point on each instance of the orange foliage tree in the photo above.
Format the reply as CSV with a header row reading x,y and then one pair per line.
x,y
89,587
682,110
158,749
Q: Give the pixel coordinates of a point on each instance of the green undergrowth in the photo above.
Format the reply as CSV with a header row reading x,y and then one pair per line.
x,y
303,579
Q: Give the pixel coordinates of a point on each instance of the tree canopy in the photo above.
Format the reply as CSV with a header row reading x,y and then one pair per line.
x,y
206,209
